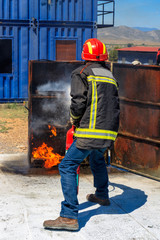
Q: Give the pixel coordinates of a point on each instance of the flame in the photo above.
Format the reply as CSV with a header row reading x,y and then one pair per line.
x,y
53,131
46,153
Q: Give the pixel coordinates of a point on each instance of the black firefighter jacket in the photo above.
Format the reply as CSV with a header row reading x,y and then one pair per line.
x,y
95,104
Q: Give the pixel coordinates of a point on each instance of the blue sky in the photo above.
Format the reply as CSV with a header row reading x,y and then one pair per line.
x,y
137,13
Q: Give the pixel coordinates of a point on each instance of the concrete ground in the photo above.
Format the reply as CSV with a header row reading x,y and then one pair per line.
x,y
30,196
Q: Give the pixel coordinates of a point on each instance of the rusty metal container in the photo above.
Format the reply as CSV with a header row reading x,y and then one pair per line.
x,y
49,101
137,147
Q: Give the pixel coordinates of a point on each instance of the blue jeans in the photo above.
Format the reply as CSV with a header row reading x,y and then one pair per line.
x,y
68,168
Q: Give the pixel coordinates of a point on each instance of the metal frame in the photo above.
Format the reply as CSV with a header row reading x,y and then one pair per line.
x,y
102,4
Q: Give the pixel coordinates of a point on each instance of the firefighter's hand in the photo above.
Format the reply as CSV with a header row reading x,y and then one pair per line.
x,y
74,122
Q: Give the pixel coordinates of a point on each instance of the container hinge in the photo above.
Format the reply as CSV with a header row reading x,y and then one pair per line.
x,y
34,23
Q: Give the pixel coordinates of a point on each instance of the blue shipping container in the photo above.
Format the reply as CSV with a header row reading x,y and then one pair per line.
x,y
38,29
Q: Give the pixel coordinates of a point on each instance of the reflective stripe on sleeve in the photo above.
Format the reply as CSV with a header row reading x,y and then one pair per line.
x,y
95,133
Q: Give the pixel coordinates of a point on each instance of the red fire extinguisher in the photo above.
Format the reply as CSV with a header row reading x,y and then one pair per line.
x,y
69,141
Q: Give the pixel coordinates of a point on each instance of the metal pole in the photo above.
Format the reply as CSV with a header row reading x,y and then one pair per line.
x,y
103,15
113,11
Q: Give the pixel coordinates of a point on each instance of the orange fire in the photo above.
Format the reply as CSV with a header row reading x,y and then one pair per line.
x,y
53,131
46,153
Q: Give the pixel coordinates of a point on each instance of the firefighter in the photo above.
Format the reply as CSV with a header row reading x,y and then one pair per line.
x,y
158,57
94,111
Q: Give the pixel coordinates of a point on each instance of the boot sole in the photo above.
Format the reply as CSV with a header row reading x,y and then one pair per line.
x,y
63,227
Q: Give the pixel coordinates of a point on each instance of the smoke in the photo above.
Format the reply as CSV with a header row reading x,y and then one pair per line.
x,y
58,109
37,124
54,87
53,110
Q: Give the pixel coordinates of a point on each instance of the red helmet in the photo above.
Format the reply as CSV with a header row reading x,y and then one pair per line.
x,y
94,50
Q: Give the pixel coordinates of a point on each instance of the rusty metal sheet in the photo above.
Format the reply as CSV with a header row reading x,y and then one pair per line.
x,y
138,82
140,120
137,147
134,154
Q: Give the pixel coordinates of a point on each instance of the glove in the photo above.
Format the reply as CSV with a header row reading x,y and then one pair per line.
x,y
74,122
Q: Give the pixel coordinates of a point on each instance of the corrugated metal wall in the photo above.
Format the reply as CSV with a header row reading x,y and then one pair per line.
x,y
59,10
34,26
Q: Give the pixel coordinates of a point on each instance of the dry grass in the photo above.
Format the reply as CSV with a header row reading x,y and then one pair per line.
x,y
13,110
13,128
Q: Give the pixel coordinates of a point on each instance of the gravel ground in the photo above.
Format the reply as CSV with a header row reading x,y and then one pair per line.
x,y
15,139
29,197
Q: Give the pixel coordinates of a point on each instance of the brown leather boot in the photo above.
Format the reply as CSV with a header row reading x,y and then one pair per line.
x,y
62,223
93,198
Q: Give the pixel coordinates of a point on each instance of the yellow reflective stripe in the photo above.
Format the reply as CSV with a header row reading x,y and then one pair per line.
x,y
99,77
95,110
90,47
91,113
95,133
102,79
104,48
95,136
74,117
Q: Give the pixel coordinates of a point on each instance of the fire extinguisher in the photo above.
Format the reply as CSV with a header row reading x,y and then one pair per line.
x,y
69,141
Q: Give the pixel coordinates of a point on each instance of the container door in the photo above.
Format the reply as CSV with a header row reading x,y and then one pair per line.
x,y
65,50
137,147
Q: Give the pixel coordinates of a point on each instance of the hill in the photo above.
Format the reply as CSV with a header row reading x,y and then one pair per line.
x,y
126,34
145,29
